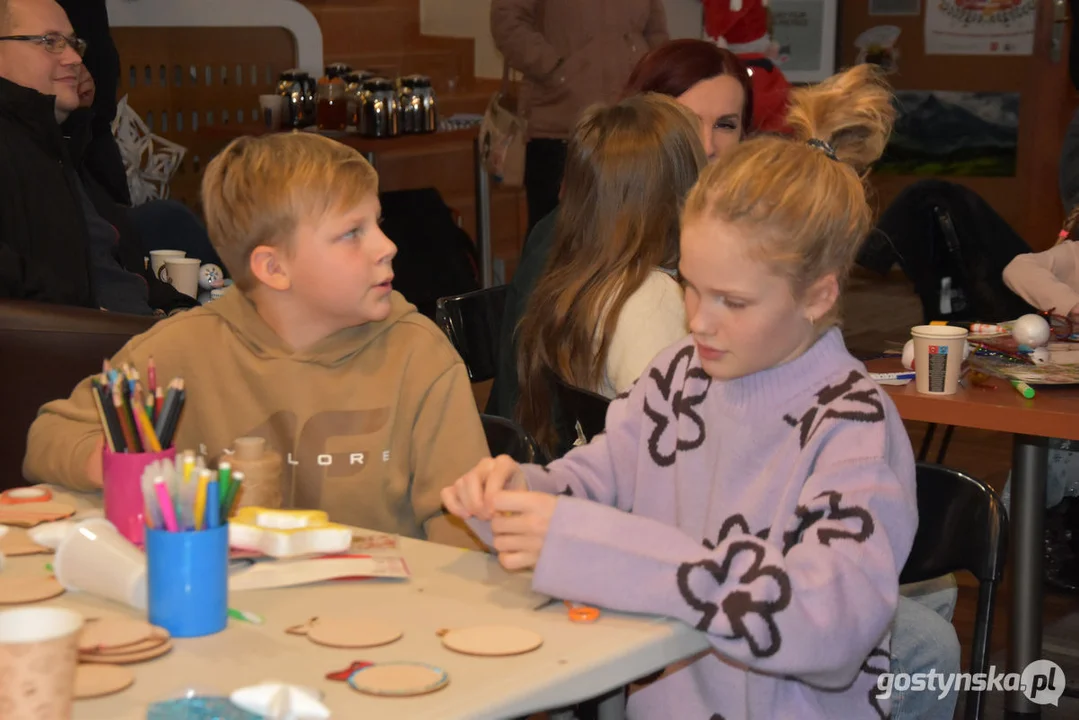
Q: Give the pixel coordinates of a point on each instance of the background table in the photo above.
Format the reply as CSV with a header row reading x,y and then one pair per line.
x,y
449,588
1052,413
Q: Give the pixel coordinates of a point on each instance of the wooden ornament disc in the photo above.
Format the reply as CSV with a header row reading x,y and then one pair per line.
x,y
93,681
99,635
404,679
18,590
347,632
16,542
159,637
126,658
492,640
30,514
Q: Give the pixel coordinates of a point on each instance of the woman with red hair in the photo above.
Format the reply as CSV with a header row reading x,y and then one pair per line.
x,y
709,80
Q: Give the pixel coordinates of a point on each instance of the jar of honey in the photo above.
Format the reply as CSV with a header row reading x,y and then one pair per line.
x,y
332,110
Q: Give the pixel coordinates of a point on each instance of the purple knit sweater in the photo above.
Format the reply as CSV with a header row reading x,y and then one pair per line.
x,y
773,512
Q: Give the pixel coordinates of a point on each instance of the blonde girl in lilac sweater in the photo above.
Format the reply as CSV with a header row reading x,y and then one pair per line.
x,y
755,482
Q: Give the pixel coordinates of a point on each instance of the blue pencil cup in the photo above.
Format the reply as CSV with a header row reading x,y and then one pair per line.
x,y
188,580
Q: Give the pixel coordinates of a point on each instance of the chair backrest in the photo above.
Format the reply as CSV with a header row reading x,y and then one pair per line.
x,y
473,322
45,350
581,409
962,525
505,437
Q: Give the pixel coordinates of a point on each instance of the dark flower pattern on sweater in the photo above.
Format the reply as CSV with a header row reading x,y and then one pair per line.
x,y
831,521
750,603
876,671
665,406
857,398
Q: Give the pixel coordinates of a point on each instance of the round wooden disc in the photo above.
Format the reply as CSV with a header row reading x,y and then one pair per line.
x,y
16,542
18,590
126,658
492,640
97,680
159,637
402,679
98,635
346,632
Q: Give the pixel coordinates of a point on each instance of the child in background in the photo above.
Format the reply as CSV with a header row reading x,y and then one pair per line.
x,y
755,482
1049,281
607,301
311,349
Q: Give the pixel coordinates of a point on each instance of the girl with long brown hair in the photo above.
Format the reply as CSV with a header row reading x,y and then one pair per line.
x,y
608,301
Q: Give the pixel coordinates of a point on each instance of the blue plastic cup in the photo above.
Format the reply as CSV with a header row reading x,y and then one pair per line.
x,y
188,580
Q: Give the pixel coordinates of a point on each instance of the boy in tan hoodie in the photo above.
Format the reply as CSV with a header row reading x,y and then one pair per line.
x,y
312,350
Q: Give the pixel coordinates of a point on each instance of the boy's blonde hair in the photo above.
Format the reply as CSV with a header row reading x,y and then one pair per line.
x,y
803,199
258,190
629,167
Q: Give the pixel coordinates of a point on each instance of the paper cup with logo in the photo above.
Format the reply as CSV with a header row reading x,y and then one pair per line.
x,y
182,274
158,258
38,653
94,558
938,357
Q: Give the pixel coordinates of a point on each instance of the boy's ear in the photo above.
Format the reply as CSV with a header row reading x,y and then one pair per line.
x,y
821,296
266,265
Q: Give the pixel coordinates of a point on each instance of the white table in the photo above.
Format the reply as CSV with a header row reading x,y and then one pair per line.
x,y
448,588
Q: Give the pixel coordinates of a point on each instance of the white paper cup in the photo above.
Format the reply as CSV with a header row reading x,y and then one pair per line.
x,y
182,273
158,258
95,558
38,653
272,109
938,357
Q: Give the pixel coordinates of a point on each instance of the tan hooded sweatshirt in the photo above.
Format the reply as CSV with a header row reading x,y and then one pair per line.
x,y
373,421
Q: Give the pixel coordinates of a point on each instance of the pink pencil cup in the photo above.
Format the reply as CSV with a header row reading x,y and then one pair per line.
x,y
122,475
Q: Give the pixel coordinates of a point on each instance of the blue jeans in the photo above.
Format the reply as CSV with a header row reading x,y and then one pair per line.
x,y
924,639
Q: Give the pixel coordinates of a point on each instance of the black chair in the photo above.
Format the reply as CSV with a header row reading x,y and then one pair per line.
x,y
505,437
962,525
581,409
473,322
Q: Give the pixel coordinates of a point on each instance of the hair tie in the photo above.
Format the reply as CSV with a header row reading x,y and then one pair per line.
x,y
823,146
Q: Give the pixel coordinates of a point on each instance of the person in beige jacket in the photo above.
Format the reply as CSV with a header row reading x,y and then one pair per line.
x,y
572,53
365,398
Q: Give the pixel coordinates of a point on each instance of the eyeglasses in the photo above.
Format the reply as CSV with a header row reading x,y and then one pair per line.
x,y
53,42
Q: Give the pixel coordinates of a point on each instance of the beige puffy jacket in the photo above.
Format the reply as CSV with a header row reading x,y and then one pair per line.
x,y
573,53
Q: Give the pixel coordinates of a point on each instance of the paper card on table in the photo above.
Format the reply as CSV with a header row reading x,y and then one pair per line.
x,y
289,573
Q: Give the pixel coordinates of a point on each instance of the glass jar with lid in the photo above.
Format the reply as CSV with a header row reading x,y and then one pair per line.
x,y
332,112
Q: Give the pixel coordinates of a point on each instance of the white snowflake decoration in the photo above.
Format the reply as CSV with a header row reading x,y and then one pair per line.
x,y
150,160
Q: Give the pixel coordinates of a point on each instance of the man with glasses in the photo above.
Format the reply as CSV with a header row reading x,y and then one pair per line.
x,y
62,239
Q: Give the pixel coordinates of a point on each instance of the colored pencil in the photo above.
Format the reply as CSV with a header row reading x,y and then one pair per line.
x,y
167,409
213,508
200,500
125,422
173,418
234,492
168,512
101,414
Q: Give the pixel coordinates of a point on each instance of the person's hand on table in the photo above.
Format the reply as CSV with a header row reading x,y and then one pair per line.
x,y
86,88
520,526
473,493
93,463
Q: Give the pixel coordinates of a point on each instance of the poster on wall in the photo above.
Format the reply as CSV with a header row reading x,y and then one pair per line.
x,y
895,7
804,31
979,27
971,134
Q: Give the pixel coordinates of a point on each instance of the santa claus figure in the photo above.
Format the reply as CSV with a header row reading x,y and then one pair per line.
x,y
742,27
